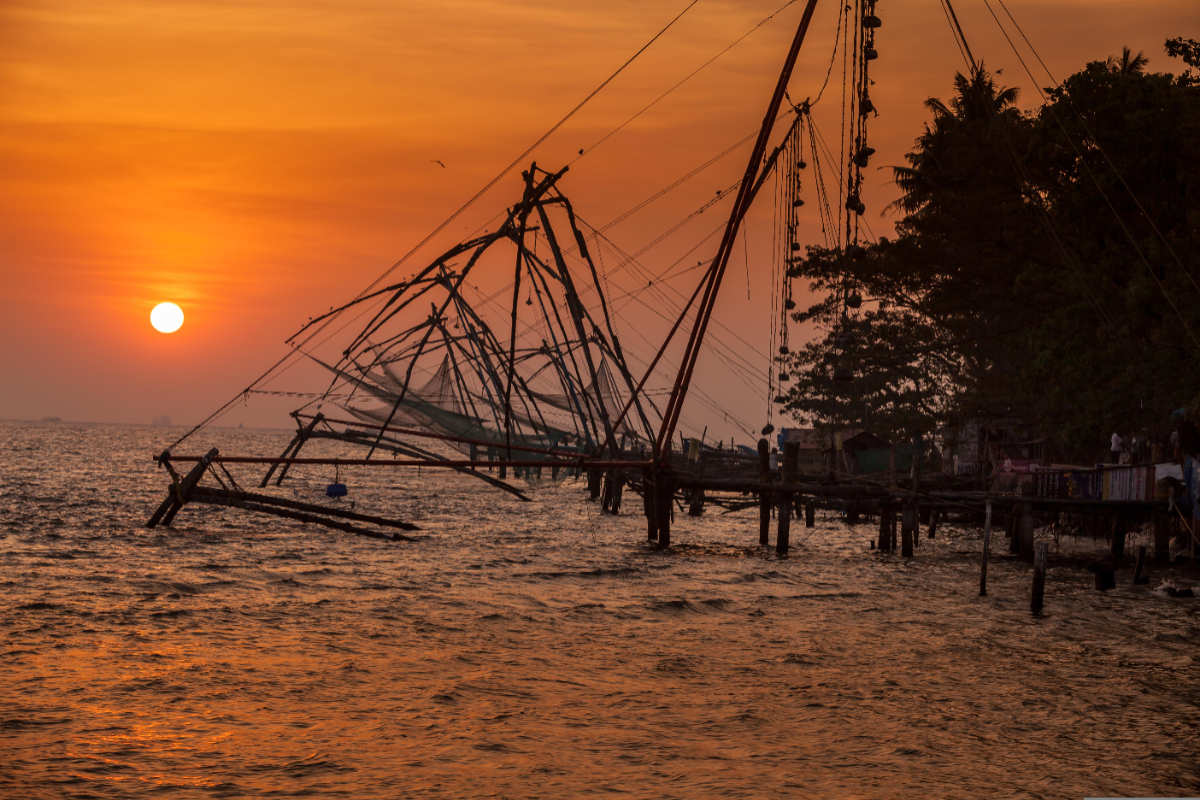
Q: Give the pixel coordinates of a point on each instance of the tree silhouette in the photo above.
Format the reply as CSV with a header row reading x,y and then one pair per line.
x,y
1127,64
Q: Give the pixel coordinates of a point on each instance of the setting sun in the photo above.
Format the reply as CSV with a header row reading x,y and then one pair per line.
x,y
166,317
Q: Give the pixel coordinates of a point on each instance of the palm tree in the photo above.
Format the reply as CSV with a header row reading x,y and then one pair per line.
x,y
978,103
1127,64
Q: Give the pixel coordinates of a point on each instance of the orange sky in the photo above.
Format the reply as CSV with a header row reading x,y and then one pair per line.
x,y
256,162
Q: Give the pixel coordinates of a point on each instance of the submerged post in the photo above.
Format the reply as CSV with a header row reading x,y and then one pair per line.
x,y
1039,577
764,496
885,536
1138,577
648,504
791,465
664,496
908,521
987,542
1026,549
1118,541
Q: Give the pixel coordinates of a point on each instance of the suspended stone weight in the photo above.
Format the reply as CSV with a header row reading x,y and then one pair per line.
x,y
783,376
783,350
854,300
870,54
789,304
863,156
797,203
780,399
871,21
866,107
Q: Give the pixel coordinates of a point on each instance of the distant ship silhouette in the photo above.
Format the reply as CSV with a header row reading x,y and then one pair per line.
x,y
163,420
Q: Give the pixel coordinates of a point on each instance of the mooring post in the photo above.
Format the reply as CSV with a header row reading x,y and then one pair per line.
x,y
810,515
606,489
618,490
1118,541
893,530
593,479
1039,577
908,521
648,504
1026,543
935,516
987,542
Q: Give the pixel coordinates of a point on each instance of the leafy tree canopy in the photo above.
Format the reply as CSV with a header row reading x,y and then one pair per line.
x,y
1045,269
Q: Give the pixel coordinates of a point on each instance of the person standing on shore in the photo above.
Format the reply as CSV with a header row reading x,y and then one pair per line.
x,y
1117,448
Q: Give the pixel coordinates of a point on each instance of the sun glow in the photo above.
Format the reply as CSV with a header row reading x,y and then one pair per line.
x,y
166,317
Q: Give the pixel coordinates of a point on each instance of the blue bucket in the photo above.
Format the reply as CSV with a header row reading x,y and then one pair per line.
x,y
336,490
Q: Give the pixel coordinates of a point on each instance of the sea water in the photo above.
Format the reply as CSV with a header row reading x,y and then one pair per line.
x,y
540,649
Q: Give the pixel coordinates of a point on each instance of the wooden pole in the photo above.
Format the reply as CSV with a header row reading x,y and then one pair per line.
x,y
648,504
180,493
791,465
764,495
1039,577
885,536
1026,543
1118,540
1138,577
618,490
664,495
935,517
810,515
908,519
987,542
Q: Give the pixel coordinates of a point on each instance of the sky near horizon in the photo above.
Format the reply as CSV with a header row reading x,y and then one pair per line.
x,y
259,162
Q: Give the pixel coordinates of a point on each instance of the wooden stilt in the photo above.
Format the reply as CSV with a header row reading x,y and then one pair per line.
x,y
1026,537
987,542
783,536
1118,541
810,515
885,536
1138,577
908,522
664,492
764,495
618,490
935,517
648,505
606,491
1039,577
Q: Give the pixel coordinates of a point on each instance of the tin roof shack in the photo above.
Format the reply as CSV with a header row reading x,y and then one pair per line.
x,y
864,453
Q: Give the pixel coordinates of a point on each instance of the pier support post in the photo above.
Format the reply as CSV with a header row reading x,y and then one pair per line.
x,y
1026,537
1138,577
810,515
593,479
987,543
1118,541
618,489
893,525
935,517
885,535
664,497
908,521
1013,529
764,496
648,504
606,490
791,465
1039,577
